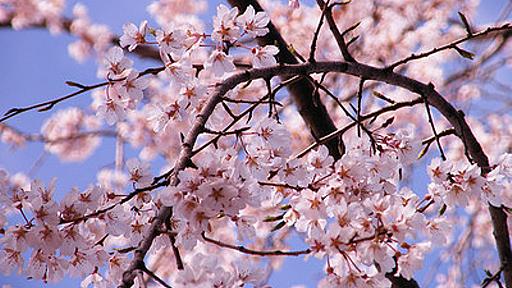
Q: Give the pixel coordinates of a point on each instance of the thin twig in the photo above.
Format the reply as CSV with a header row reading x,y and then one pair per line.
x,y
312,50
344,129
495,277
452,45
45,106
433,127
339,37
255,252
359,103
125,199
441,134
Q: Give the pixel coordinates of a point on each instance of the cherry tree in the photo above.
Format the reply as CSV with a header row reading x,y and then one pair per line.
x,y
275,120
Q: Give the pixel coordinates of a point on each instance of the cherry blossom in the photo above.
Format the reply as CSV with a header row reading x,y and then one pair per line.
x,y
264,56
63,131
116,63
220,63
179,71
133,36
139,172
171,41
160,116
294,4
112,110
91,37
254,24
131,88
224,27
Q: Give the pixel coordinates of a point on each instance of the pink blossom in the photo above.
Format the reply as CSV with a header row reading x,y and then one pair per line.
x,y
139,172
160,116
63,134
412,260
264,56
131,88
224,28
116,63
171,41
254,24
294,4
112,110
220,63
12,259
319,161
95,279
180,71
133,36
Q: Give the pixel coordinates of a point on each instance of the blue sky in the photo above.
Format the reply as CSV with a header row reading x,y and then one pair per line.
x,y
35,66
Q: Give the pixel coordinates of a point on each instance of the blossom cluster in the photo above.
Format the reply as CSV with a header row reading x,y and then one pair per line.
x,y
25,13
92,38
68,134
455,185
356,220
179,49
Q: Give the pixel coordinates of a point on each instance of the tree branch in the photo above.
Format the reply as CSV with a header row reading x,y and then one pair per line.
x,y
455,118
